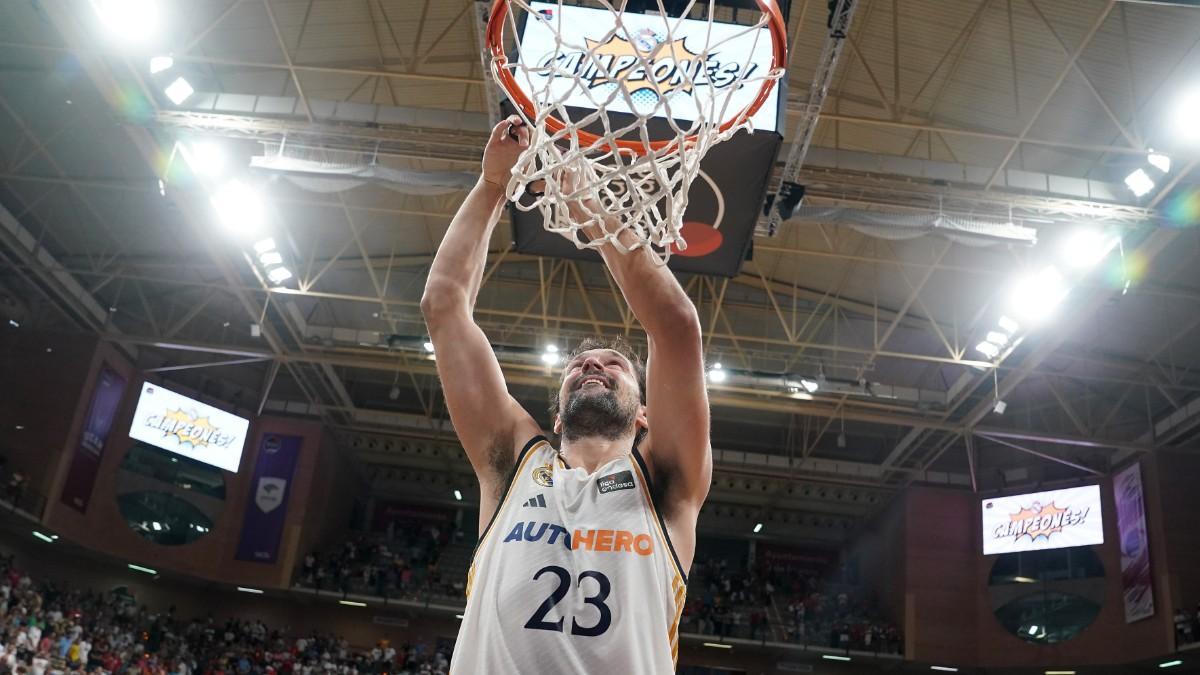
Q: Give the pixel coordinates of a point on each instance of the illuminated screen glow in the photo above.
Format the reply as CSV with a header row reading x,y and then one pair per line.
x,y
188,427
1043,520
578,25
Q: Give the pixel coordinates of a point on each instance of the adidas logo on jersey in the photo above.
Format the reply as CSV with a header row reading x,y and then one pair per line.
x,y
539,500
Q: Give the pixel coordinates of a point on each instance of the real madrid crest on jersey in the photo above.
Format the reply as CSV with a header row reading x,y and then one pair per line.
x,y
544,475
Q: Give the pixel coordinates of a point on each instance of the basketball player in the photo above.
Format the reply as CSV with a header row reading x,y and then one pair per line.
x,y
583,555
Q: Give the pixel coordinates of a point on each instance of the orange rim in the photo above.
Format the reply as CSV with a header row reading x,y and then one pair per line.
x,y
495,41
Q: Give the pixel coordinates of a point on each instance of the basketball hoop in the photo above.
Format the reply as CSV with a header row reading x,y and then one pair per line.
x,y
639,67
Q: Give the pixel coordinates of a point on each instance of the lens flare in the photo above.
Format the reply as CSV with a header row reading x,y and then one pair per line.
x,y
1183,209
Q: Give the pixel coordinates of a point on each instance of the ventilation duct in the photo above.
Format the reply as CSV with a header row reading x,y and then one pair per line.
x,y
327,171
959,229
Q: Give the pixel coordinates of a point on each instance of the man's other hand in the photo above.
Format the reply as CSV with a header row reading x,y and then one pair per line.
x,y
508,140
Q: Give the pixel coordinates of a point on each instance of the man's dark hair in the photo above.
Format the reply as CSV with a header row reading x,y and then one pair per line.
x,y
617,344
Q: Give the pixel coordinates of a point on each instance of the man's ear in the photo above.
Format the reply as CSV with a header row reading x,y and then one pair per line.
x,y
558,425
640,419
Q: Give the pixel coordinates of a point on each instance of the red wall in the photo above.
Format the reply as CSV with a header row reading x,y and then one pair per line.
x,y
41,389
1179,502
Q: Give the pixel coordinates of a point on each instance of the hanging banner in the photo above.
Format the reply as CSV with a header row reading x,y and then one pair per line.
x,y
262,527
1136,582
85,465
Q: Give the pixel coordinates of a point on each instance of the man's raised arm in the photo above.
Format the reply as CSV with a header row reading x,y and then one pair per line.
x,y
490,423
676,397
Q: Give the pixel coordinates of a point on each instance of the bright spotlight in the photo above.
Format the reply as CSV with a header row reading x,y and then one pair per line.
x,y
1185,117
1085,248
717,373
757,528
205,157
239,207
810,386
997,338
179,91
428,346
279,275
1159,161
551,356
1139,182
458,495
1035,296
1009,325
130,21
160,63
988,349
271,258
264,245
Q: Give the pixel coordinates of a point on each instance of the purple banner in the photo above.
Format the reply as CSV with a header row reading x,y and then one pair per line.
x,y
81,476
1136,580
262,528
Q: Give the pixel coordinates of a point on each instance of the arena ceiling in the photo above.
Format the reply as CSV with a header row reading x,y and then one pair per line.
x,y
1039,108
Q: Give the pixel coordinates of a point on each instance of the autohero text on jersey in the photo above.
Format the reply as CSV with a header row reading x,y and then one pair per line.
x,y
610,541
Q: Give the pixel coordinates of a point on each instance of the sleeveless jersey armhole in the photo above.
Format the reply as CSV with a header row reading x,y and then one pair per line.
x,y
662,525
512,477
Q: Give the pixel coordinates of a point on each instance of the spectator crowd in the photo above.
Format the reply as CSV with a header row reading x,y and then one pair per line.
x,y
403,562
777,604
1187,626
51,629
726,600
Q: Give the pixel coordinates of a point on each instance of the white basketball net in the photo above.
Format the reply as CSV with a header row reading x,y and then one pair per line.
x,y
616,190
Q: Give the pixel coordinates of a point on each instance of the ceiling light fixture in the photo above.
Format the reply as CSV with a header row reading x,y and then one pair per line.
x,y
139,568
279,275
46,538
1035,296
550,355
130,21
1086,247
428,346
757,528
834,657
1139,182
160,63
997,338
239,207
264,245
255,591
352,603
988,349
1186,112
179,91
1009,325
205,157
270,258
458,495
717,374
1159,161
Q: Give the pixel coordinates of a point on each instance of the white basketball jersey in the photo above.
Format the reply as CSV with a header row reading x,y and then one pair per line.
x,y
574,574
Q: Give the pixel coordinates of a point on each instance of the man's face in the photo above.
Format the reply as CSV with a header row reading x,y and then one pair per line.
x,y
599,396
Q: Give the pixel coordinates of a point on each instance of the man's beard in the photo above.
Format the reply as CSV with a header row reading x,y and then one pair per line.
x,y
589,416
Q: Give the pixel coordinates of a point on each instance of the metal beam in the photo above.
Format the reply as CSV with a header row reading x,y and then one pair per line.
x,y
1042,455
1062,76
